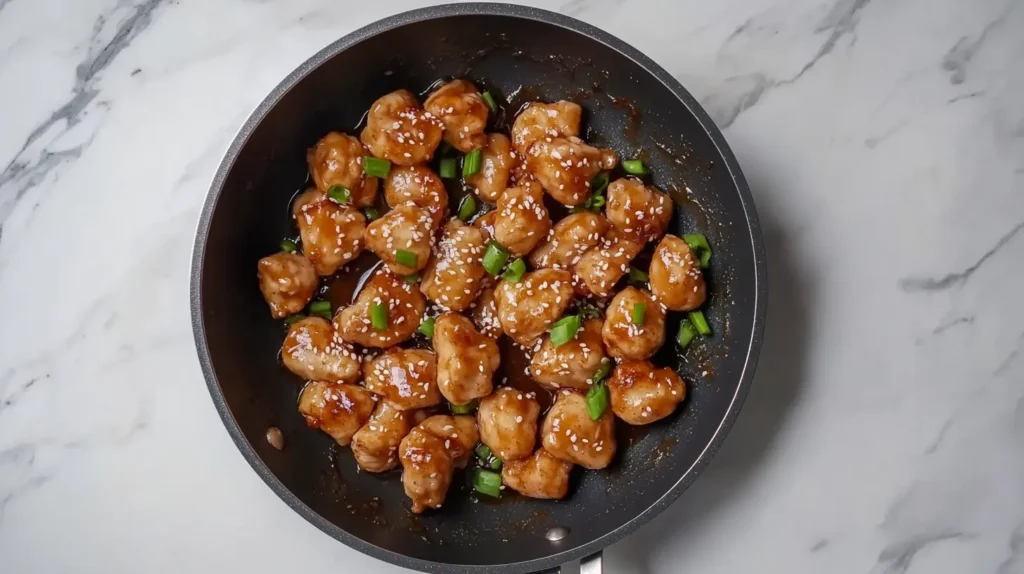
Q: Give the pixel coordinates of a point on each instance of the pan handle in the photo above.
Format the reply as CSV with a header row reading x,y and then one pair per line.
x,y
592,564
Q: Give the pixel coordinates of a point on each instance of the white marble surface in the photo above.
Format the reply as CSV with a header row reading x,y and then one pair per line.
x,y
883,140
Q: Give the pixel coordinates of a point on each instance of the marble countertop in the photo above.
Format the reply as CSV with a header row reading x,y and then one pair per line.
x,y
883,142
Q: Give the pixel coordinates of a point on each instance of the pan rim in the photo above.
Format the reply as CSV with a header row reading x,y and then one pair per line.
x,y
432,13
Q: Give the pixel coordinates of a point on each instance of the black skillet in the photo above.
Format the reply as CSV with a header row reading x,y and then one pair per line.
x,y
519,53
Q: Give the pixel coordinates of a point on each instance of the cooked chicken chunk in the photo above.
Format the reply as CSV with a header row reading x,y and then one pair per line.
x,y
485,314
332,234
497,162
640,211
404,304
641,394
522,221
526,309
430,453
570,365
418,185
398,130
287,281
675,277
569,239
459,433
539,476
338,409
485,223
622,337
314,351
337,159
601,267
466,360
508,423
541,121
375,445
565,166
463,112
453,276
570,435
405,377
405,231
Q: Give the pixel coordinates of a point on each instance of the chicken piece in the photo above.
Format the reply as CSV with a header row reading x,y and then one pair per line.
x,y
338,409
539,476
314,351
570,365
400,131
641,394
601,267
459,433
541,121
569,240
463,112
287,281
405,377
508,423
407,229
455,273
418,185
375,445
405,305
466,360
430,453
332,234
485,314
337,159
568,433
526,309
522,221
485,223
640,211
497,162
623,338
565,167
675,277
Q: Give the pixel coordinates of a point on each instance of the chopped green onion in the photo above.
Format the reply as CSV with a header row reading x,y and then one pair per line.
x,y
412,278
515,270
596,203
487,482
467,207
489,100
376,167
483,452
686,334
599,183
471,163
371,214
322,308
294,318
602,372
637,276
564,330
289,246
463,409
634,167
494,258
597,401
406,258
427,328
496,463
639,310
698,320
379,316
699,244
448,168
339,193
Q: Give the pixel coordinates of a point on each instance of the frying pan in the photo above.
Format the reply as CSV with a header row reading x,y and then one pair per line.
x,y
633,106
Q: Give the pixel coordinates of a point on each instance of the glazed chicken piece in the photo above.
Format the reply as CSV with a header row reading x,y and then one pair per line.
x,y
571,365
539,476
485,314
543,121
565,167
640,211
400,131
625,339
404,304
522,221
338,409
497,162
405,231
430,453
287,281
569,239
466,360
375,445
337,159
526,309
675,277
508,423
462,110
418,185
453,276
407,378
641,394
314,351
601,267
569,434
485,223
332,234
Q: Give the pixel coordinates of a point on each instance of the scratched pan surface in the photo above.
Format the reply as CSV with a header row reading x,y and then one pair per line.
x,y
633,106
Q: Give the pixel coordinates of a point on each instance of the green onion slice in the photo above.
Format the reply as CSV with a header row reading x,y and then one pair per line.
x,y
699,244
467,208
599,183
496,463
339,193
483,452
489,100
495,257
639,310
322,308
463,409
447,169
371,214
289,246
412,278
597,401
637,276
515,270
427,328
472,162
376,167
602,372
294,318
564,330
406,258
686,334
698,320
634,167
379,316
487,482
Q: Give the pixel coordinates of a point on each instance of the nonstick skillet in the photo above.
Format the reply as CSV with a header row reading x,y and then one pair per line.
x,y
631,105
